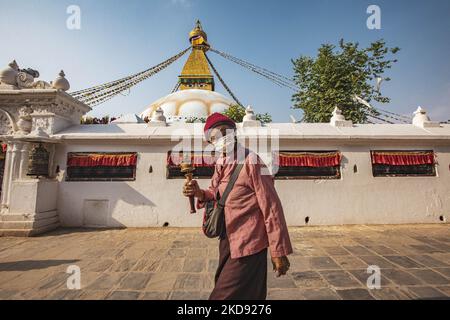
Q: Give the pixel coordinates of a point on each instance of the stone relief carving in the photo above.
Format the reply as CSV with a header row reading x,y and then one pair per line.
x,y
26,80
7,123
61,109
41,125
53,108
27,120
33,108
24,122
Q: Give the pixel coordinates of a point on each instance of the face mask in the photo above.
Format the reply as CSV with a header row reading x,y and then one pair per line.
x,y
225,144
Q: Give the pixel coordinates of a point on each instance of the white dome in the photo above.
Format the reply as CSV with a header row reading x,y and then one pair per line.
x,y
184,104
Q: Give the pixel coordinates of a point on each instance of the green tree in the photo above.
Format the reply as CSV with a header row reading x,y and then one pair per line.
x,y
336,76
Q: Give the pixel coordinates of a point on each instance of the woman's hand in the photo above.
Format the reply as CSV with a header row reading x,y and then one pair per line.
x,y
280,265
191,188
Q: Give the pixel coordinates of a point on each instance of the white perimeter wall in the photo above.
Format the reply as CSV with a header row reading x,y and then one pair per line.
x,y
356,198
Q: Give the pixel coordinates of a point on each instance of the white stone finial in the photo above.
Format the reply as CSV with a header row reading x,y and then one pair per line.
x,y
249,114
421,119
158,119
249,119
338,119
61,82
337,114
158,115
8,75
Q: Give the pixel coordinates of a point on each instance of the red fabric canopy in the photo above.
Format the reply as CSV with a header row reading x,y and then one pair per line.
x,y
101,159
403,158
309,159
197,159
296,159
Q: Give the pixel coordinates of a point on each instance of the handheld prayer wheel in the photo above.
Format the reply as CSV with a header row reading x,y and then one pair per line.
x,y
187,168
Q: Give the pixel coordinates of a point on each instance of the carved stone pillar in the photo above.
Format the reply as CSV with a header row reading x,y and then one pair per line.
x,y
23,163
6,178
12,163
15,160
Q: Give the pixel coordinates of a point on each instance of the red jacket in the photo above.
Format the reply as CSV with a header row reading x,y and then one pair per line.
x,y
254,217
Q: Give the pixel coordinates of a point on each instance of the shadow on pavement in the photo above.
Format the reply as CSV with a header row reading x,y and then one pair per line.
x,y
26,265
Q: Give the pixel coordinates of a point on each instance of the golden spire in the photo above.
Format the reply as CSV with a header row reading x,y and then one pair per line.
x,y
198,37
196,73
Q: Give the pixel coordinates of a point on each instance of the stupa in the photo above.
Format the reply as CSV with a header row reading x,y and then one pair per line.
x,y
195,97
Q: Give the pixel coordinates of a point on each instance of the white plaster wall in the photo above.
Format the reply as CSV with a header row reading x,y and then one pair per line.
x,y
356,198
150,200
360,198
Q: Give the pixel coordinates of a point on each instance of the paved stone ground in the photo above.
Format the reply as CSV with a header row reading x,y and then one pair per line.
x,y
169,263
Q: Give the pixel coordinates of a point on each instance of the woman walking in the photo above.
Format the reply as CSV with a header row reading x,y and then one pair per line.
x,y
254,219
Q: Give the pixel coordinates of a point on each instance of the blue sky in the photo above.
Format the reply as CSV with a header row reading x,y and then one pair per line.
x,y
118,38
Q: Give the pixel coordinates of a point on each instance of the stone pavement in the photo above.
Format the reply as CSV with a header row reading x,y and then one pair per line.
x,y
170,263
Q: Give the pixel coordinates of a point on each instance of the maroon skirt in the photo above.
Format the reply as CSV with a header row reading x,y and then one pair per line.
x,y
242,278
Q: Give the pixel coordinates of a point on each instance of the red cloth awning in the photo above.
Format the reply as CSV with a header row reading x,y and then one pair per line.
x,y
309,159
197,159
403,158
101,159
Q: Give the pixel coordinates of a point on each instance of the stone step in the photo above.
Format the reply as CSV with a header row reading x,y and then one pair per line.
x,y
15,232
27,232
28,224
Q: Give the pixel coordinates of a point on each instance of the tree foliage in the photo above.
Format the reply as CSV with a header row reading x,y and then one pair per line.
x,y
336,75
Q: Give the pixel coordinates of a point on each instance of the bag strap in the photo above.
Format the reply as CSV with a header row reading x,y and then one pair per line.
x,y
230,184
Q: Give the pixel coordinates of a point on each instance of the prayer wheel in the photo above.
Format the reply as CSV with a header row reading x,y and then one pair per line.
x,y
38,161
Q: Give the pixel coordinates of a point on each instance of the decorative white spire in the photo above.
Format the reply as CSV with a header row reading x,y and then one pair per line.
x,y
338,119
249,114
249,119
158,119
421,119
